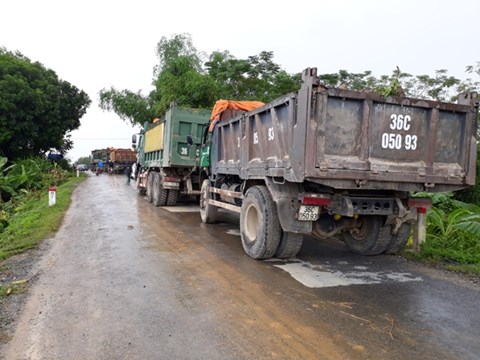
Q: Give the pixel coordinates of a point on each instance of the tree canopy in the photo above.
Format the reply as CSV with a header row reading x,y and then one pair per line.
x,y
37,109
85,160
192,79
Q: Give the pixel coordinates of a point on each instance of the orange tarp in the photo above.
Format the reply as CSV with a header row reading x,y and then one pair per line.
x,y
222,105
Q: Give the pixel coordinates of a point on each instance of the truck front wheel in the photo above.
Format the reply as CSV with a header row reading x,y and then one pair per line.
x,y
208,212
259,225
370,237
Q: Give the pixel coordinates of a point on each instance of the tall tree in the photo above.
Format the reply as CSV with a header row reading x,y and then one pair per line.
x,y
37,109
129,106
441,86
180,76
254,78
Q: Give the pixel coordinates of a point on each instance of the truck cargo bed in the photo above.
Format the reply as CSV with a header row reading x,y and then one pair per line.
x,y
352,140
166,141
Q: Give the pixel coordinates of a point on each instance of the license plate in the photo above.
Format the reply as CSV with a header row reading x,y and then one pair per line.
x,y
308,213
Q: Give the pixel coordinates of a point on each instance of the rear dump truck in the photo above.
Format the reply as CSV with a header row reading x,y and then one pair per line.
x,y
121,159
327,162
166,165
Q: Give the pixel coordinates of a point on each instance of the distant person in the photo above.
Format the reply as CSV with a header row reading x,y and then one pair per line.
x,y
100,166
128,172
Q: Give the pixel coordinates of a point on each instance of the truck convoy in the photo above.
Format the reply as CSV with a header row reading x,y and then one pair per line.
x,y
116,160
328,161
166,165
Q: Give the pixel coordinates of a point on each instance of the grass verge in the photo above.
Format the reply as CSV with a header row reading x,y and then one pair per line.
x,y
35,220
443,262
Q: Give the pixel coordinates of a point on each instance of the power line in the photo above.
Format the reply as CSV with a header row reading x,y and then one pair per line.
x,y
101,139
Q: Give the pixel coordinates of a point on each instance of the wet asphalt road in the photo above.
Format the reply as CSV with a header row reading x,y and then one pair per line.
x,y
125,280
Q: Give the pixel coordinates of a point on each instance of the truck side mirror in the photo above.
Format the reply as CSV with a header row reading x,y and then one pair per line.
x,y
134,139
189,140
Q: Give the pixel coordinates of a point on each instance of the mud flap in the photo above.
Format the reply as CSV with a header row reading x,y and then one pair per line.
x,y
142,180
285,196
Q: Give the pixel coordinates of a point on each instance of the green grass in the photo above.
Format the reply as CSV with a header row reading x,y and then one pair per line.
x,y
12,289
443,259
34,220
468,269
465,269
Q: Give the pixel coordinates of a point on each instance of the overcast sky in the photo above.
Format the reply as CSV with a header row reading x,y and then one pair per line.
x,y
95,44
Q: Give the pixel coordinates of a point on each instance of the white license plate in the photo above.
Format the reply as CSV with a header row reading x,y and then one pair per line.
x,y
308,213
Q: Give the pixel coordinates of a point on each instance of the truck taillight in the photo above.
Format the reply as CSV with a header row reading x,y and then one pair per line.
x,y
422,204
315,199
170,179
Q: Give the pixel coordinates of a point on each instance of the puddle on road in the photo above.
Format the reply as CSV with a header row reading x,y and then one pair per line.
x,y
175,209
320,276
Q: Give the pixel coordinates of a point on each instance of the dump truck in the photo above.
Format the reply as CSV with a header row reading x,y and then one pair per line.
x,y
166,165
335,162
120,159
97,156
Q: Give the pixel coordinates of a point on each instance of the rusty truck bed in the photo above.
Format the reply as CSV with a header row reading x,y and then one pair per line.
x,y
352,140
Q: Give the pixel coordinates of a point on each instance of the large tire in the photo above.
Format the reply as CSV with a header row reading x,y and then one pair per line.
x,y
370,238
259,225
149,194
159,193
208,212
172,197
398,241
290,244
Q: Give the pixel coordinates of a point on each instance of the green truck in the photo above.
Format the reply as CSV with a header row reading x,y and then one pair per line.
x,y
166,165
97,156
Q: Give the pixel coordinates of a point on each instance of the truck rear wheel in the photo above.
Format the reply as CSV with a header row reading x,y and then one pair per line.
x,y
208,212
172,197
259,225
290,245
398,241
150,186
370,237
159,193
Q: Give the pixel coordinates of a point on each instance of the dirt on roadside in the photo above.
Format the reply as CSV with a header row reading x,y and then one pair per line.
x,y
17,274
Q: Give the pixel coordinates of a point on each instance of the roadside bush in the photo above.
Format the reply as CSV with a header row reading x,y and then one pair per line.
x,y
7,186
453,231
29,174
